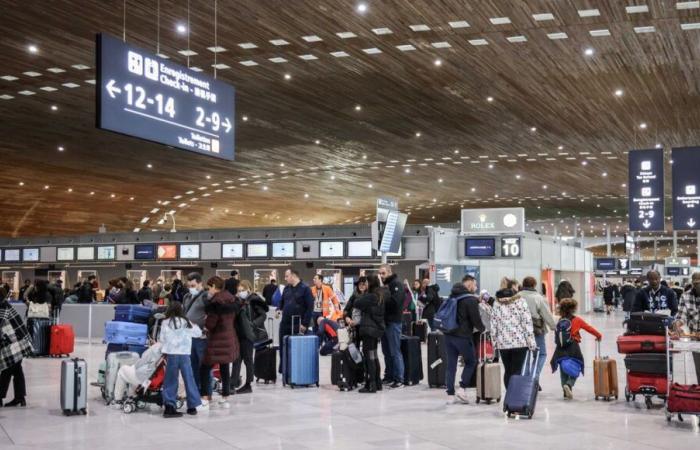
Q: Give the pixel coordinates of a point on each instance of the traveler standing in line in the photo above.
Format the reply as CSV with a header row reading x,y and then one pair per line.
x,y
371,329
15,345
629,293
194,306
326,303
176,337
254,309
130,294
608,297
165,295
178,291
391,340
145,293
564,290
430,301
353,315
23,290
269,291
460,341
542,320
656,297
297,300
511,330
157,288
222,346
85,293
415,292
231,284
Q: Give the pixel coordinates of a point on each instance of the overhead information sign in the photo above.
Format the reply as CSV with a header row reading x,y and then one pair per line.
x,y
686,188
143,95
646,190
391,238
493,220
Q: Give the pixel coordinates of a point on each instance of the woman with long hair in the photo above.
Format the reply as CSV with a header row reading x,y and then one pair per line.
x,y
372,327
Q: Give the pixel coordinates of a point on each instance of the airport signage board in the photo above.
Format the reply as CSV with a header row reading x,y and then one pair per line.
x,y
686,188
646,190
142,95
493,220
384,206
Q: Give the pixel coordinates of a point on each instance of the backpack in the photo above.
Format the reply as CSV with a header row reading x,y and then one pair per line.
x,y
85,293
277,298
562,336
446,317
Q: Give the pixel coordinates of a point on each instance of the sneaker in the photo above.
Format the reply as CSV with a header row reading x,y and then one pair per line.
x,y
387,381
461,396
223,403
396,384
568,393
204,405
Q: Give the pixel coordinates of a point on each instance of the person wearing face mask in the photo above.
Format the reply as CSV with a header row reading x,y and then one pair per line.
x,y
253,309
194,304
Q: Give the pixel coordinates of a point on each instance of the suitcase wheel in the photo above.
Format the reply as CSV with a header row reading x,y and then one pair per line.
x,y
596,398
647,401
129,408
318,385
478,400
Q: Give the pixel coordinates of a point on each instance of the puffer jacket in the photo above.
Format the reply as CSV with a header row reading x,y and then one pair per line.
x,y
223,346
511,324
372,323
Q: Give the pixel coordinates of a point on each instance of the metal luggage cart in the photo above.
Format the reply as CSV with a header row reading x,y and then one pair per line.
x,y
678,346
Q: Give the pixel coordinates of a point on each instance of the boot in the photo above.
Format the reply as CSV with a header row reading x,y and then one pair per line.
x,y
171,412
245,389
16,402
372,372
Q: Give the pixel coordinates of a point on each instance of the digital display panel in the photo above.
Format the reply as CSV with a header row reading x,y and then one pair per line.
x,y
258,250
86,253
167,251
283,249
605,264
511,247
332,249
480,247
12,255
359,249
145,251
105,252
189,251
232,251
646,190
65,254
30,254
143,95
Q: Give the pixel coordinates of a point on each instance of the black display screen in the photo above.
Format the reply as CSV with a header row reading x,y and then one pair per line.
x,y
480,247
606,264
145,251
686,188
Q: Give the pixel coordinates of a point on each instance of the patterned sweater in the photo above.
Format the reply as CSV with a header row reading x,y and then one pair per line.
x,y
511,324
689,311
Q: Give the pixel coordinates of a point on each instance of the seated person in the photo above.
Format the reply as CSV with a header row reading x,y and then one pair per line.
x,y
139,374
327,335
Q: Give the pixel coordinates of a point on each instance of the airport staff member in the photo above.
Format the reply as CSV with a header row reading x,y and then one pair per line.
x,y
297,300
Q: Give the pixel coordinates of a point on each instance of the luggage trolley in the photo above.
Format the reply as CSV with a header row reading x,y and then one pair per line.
x,y
681,346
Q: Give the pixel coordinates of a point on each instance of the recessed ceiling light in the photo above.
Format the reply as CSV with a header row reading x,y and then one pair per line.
x,y
517,177
370,186
21,183
220,66
332,177
418,134
407,170
358,108
264,188
637,9
31,74
647,29
584,163
92,192
533,129
312,38
308,57
372,51
346,35
187,52
490,166
557,36
441,44
279,42
643,126
248,63
543,17
244,118
688,5
340,54
287,76
277,60
440,180
247,45
32,48
437,62
419,27
619,92
71,85
381,31
489,99
362,8
516,39
544,186
478,42
408,194
459,24
208,177
364,156
499,20
149,165
54,108
60,148
605,174
473,189
46,186
9,78
306,195
181,28
589,51
600,33
406,47
588,12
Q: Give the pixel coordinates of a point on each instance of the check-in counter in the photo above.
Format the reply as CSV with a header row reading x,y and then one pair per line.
x,y
88,320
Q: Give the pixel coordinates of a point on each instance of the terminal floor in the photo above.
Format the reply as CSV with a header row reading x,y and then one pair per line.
x,y
416,417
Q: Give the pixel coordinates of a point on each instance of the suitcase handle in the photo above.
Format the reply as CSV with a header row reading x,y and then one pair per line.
x,y
533,354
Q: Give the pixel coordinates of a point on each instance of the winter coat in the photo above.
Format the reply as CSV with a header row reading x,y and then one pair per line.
x,y
538,309
628,293
662,299
511,324
15,341
268,292
296,301
223,346
145,293
393,304
373,322
689,309
431,299
468,317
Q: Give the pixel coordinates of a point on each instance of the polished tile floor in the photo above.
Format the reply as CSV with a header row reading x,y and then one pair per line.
x,y
410,418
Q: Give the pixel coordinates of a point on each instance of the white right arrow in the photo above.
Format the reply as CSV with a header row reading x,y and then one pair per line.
x,y
646,223
692,222
111,89
227,124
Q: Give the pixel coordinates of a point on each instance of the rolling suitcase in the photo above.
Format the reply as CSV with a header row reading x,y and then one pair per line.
x,y
604,376
300,360
343,371
437,360
488,378
521,394
265,365
61,339
645,384
654,363
74,386
420,329
39,330
641,343
406,324
126,333
132,313
114,362
412,360
647,323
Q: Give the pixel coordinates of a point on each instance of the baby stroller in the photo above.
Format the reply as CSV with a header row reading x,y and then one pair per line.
x,y
153,394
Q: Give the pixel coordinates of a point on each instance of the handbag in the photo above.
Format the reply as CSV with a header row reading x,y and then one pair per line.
x,y
38,311
538,326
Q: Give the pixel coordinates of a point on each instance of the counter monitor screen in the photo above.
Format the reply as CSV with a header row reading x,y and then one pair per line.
x,y
30,254
605,264
359,249
189,251
332,249
258,250
167,251
145,251
105,252
86,253
232,251
65,254
12,255
480,247
283,249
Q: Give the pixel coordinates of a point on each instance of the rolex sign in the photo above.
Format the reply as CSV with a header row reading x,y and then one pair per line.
x,y
493,220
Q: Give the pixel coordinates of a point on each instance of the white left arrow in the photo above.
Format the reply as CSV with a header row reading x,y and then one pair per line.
x,y
111,89
227,124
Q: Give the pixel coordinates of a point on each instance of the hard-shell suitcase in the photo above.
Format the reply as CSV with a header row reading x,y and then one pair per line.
x,y
74,386
114,362
641,343
419,329
437,360
412,360
521,394
62,340
646,384
647,323
126,333
39,330
300,360
604,376
265,365
406,324
647,363
132,313
488,378
343,371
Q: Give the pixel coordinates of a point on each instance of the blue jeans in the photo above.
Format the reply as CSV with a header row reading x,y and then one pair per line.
x,y
456,346
391,347
201,373
180,364
542,355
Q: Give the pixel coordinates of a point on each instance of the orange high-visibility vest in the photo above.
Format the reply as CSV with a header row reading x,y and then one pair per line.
x,y
328,297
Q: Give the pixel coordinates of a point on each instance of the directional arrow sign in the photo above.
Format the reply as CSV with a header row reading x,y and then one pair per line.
x,y
646,223
111,89
646,190
227,125
691,223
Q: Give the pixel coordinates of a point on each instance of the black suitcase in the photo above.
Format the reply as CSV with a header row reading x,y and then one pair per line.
x,y
437,360
647,323
39,330
406,324
343,371
419,329
412,360
652,363
265,365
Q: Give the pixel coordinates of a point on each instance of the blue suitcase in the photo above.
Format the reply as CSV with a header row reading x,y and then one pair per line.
x,y
132,313
300,361
521,396
125,333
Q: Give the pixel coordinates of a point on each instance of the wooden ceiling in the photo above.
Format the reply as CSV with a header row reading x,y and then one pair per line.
x,y
424,133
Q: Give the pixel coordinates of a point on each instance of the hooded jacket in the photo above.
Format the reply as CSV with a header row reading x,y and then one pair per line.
x,y
223,346
468,316
511,323
538,308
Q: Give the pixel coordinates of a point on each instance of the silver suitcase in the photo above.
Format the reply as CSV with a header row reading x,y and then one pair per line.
x,y
74,386
114,362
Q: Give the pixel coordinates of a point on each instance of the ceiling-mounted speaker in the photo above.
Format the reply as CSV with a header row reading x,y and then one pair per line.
x,y
310,265
127,266
214,265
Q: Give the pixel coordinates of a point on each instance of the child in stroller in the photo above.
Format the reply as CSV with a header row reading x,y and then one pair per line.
x,y
149,392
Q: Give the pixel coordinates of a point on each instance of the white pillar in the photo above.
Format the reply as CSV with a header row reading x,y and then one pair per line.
x,y
607,240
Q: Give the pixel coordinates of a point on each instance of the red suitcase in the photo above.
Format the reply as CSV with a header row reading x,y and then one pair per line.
x,y
646,383
684,398
62,340
641,343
